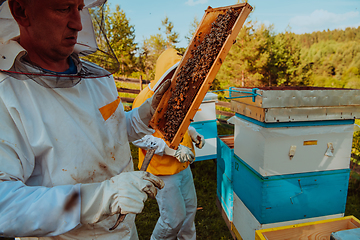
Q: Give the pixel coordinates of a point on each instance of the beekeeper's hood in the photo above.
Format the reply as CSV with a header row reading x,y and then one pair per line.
x,y
165,67
9,30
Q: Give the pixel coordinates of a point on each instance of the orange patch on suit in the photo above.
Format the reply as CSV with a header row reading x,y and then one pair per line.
x,y
107,110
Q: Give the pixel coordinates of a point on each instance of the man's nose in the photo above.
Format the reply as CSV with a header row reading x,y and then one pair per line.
x,y
75,20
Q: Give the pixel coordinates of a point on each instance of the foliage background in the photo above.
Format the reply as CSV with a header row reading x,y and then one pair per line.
x,y
259,57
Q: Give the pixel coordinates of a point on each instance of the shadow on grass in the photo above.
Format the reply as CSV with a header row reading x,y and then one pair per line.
x,y
353,198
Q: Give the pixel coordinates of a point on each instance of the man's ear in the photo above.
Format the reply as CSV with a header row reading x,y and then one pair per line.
x,y
19,10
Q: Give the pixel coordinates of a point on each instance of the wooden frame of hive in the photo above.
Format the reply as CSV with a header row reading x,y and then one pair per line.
x,y
158,120
309,230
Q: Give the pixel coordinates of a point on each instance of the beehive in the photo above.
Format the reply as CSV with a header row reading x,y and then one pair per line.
x,y
312,230
287,130
205,124
197,69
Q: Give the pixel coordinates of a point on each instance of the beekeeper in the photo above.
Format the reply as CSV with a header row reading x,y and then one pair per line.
x,y
65,162
177,200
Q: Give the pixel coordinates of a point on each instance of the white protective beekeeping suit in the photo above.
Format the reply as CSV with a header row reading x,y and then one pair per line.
x,y
60,146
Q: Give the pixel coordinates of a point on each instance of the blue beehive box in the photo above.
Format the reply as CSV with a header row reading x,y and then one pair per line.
x,y
205,123
225,153
292,196
209,130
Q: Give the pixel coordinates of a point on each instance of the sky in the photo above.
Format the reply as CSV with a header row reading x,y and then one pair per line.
x,y
298,16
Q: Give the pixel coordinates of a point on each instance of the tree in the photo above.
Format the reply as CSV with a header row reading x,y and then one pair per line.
x,y
153,46
286,65
171,37
247,61
119,40
261,58
193,26
335,63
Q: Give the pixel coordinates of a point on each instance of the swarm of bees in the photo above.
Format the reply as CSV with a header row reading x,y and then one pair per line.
x,y
193,73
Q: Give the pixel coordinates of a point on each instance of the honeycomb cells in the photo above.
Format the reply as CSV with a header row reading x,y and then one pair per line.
x,y
193,73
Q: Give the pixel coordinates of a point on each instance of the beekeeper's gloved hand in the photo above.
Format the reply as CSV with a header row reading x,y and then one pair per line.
x,y
182,153
124,193
197,138
147,109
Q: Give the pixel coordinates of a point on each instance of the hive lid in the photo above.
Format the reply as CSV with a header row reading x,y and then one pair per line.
x,y
287,104
210,97
271,97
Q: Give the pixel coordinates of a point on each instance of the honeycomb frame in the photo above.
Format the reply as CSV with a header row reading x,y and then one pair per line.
x,y
176,109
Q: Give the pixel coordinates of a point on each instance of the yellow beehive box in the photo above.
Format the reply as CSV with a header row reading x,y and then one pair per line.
x,y
319,230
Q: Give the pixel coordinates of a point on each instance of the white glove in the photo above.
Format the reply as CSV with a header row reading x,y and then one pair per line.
x,y
124,193
182,153
147,109
149,142
197,138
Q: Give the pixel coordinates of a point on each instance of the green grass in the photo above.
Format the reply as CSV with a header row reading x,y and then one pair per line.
x,y
209,222
353,197
225,129
353,205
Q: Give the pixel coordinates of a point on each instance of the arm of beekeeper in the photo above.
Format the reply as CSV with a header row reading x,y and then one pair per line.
x,y
196,137
49,211
138,119
27,210
182,153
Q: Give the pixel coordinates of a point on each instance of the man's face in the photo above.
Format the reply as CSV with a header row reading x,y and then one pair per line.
x,y
54,25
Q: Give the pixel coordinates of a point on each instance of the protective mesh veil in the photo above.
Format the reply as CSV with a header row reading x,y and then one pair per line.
x,y
91,51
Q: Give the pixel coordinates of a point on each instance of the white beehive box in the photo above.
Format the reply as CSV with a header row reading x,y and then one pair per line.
x,y
245,224
205,123
206,111
286,148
